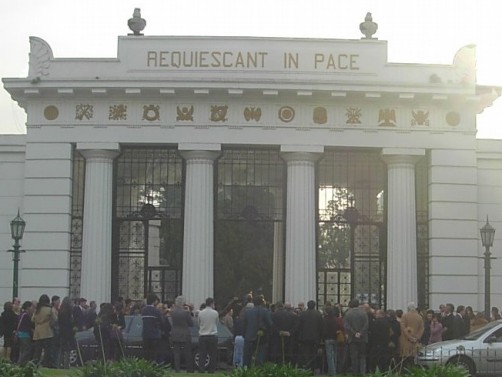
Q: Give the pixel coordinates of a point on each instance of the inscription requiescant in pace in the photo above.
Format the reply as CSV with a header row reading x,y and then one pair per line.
x,y
186,59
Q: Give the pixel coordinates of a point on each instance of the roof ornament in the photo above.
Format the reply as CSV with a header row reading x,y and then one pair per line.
x,y
136,23
40,59
368,27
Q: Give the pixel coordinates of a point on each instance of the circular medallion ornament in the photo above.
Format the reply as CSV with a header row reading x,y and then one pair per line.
x,y
286,114
453,118
51,112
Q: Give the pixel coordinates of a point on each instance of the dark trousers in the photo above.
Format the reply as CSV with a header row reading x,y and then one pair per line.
x,y
357,352
25,351
45,346
150,347
187,353
208,345
308,354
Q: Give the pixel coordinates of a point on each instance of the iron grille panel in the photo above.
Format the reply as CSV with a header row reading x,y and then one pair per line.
x,y
148,218
77,212
351,212
249,217
422,182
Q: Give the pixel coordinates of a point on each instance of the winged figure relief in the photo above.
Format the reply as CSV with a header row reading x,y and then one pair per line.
x,y
40,57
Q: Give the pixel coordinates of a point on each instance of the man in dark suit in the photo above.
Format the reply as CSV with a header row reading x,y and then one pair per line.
x,y
152,323
310,326
285,322
79,314
181,336
378,341
257,325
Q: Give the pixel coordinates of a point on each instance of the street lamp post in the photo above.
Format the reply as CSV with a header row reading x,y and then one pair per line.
x,y
487,236
17,230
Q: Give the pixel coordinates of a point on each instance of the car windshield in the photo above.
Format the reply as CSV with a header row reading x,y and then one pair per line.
x,y
483,330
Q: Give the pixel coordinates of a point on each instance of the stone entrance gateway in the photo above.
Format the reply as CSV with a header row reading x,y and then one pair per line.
x,y
302,168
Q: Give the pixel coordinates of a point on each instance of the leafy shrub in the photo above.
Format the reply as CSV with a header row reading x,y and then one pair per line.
x,y
12,370
438,370
131,367
134,367
271,370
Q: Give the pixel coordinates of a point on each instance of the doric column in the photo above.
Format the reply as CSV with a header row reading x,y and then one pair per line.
x,y
96,275
401,227
198,238
300,274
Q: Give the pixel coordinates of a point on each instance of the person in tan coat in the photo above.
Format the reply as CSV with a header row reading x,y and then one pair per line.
x,y
412,328
44,318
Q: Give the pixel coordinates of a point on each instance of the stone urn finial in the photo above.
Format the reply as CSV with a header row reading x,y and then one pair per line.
x,y
136,23
368,27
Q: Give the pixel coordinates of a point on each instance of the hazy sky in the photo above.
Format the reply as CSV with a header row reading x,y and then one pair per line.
x,y
417,31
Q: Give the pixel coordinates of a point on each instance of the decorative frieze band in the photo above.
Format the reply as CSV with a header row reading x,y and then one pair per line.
x,y
233,113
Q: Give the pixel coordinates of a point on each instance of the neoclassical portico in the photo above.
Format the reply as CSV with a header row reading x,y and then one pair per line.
x,y
301,99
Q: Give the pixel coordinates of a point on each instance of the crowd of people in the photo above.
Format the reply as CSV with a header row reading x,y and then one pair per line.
x,y
357,339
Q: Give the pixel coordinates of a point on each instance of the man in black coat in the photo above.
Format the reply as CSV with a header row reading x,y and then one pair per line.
x,y
257,325
379,339
285,322
310,326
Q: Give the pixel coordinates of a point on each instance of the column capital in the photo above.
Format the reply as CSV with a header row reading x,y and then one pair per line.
x,y
106,151
402,155
300,156
200,155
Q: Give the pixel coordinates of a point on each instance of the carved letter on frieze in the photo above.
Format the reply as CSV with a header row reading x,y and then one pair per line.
x,y
420,118
151,112
387,118
353,115
320,115
184,113
84,111
252,113
219,113
117,112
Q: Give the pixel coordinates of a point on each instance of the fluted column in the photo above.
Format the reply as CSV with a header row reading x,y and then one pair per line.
x,y
401,228
96,275
198,244
300,274
278,264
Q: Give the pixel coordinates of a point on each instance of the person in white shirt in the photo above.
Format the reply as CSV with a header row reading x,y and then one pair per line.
x,y
208,319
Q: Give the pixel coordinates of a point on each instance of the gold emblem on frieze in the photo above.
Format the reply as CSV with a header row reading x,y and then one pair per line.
x,y
353,115
387,118
286,114
320,115
84,111
420,118
117,112
453,118
219,113
51,112
151,112
184,113
252,113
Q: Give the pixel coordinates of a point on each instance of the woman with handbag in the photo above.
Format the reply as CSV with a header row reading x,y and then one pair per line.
x,y
25,333
44,320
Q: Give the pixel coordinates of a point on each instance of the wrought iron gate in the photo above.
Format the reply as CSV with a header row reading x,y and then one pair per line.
x,y
148,223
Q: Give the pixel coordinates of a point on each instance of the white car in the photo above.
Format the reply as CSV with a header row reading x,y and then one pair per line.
x,y
480,352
